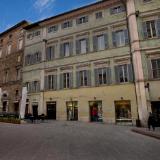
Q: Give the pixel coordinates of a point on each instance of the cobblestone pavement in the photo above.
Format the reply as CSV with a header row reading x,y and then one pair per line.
x,y
75,141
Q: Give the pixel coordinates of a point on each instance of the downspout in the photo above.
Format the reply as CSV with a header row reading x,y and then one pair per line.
x,y
131,55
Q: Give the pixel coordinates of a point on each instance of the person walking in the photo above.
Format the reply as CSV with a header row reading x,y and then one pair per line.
x,y
151,122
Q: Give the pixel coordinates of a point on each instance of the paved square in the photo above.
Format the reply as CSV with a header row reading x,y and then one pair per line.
x,y
57,140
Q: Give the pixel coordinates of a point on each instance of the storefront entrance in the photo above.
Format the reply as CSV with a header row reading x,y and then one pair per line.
x,y
156,111
95,111
16,107
51,110
72,110
35,111
4,108
123,111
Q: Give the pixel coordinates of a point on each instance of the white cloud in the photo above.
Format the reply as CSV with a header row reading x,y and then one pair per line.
x,y
41,5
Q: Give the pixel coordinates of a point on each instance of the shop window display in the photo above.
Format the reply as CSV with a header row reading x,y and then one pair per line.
x,y
95,111
123,111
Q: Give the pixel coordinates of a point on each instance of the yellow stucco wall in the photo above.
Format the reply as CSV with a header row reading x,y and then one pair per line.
x,y
107,94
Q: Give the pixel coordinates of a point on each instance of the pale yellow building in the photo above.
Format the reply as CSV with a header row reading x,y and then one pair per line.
x,y
78,65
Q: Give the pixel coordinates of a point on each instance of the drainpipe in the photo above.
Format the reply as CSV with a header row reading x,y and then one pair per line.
x,y
131,58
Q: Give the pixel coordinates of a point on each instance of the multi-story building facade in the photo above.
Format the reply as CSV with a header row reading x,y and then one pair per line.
x,y
11,62
148,26
90,64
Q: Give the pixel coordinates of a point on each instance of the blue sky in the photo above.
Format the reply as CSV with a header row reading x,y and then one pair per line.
x,y
13,11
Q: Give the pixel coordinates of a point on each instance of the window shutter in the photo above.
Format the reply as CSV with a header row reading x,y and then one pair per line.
x,y
70,23
77,79
114,39
77,47
61,50
96,77
117,74
77,21
86,19
109,78
40,56
52,52
149,67
130,73
32,87
71,48
56,28
61,81
26,60
87,45
55,82
47,53
145,34
70,80
95,43
46,83
158,27
106,40
38,86
88,78
126,36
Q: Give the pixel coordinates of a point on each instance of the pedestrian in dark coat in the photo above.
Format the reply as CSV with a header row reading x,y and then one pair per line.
x,y
151,122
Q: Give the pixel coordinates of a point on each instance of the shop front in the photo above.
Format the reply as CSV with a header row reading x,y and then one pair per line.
x,y
72,110
51,110
95,108
123,111
155,106
35,110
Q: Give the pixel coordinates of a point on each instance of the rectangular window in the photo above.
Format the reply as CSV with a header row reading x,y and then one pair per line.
x,y
37,57
83,19
50,53
29,36
53,29
37,33
117,9
51,82
66,49
101,42
120,38
83,78
0,53
151,29
124,73
67,24
83,46
36,86
66,79
9,49
28,86
156,68
20,44
99,15
102,76
123,111
18,74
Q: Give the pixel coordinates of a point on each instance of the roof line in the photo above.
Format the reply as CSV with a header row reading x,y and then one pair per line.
x,y
62,14
14,27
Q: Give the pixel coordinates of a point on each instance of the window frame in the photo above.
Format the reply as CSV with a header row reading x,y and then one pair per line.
x,y
157,69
